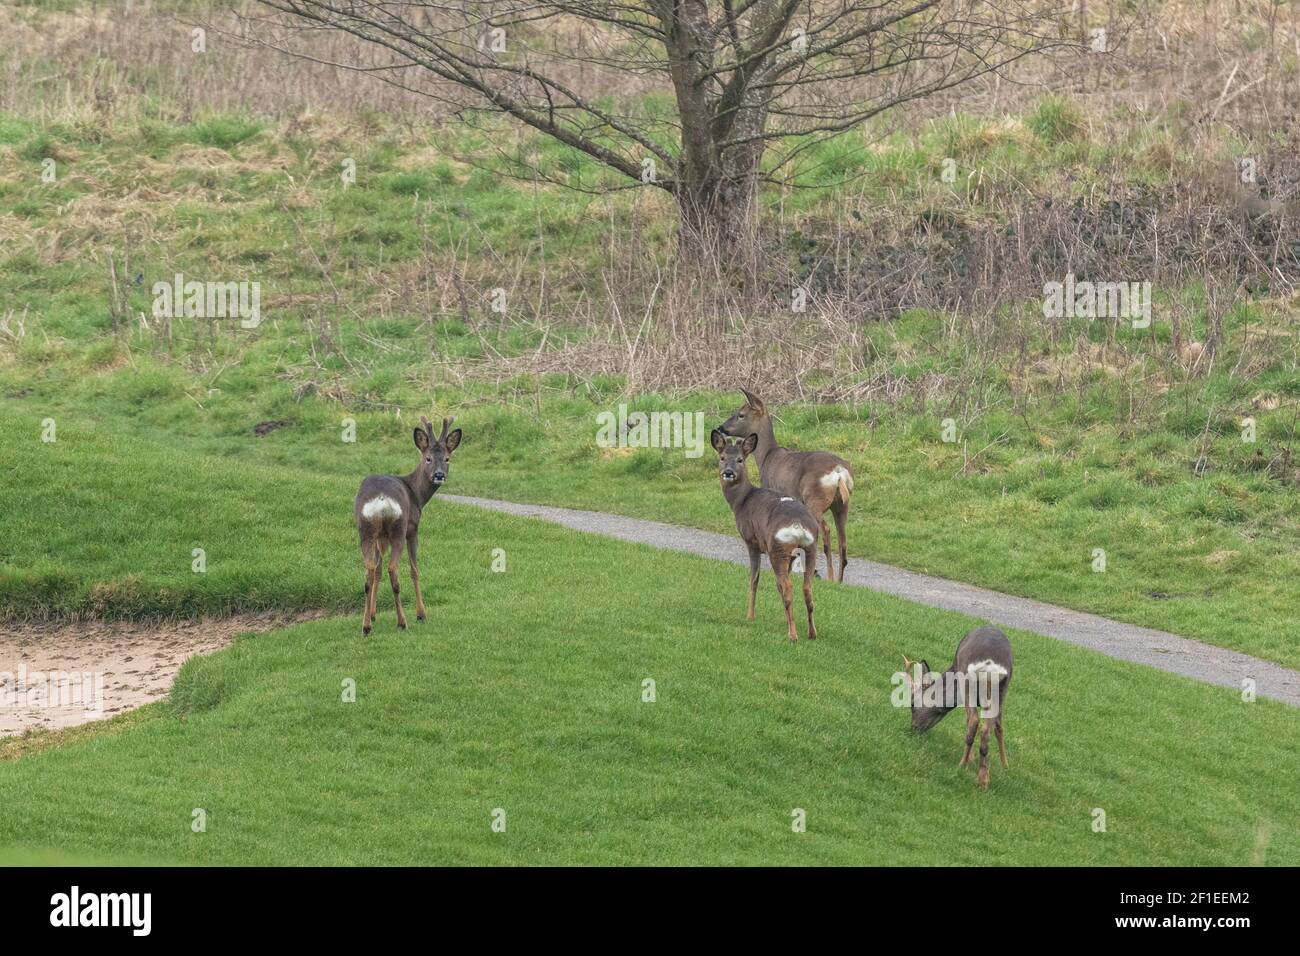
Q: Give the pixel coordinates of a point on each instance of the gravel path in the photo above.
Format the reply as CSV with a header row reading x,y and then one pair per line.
x,y
1167,652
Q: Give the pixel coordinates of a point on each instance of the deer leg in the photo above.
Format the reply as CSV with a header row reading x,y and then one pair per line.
x,y
374,590
365,614
373,556
840,512
810,557
982,775
972,725
826,549
411,543
394,563
1002,747
781,568
755,566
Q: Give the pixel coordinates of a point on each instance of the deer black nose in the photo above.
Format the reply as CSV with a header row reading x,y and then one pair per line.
x,y
728,474
439,476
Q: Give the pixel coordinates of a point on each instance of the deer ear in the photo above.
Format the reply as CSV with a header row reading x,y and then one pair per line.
x,y
717,440
755,402
452,441
748,446
421,439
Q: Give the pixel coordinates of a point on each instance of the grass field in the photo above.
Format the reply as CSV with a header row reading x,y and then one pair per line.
x,y
1211,557
523,692
991,444
1066,439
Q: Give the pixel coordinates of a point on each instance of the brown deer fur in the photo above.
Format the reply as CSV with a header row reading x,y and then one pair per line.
x,y
769,523
817,478
984,662
387,511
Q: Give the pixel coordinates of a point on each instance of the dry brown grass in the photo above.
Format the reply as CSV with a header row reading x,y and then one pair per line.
x,y
1200,74
102,61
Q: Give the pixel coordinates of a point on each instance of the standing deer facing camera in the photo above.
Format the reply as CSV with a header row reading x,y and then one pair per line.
x,y
769,523
978,679
817,478
387,510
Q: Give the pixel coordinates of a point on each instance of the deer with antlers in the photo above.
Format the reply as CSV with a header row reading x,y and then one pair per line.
x,y
817,478
387,511
770,524
977,680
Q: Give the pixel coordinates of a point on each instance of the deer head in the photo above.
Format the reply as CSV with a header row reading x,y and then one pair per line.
x,y
749,418
923,717
436,452
731,456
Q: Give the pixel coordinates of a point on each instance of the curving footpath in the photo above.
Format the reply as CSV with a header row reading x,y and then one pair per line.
x,y
1128,642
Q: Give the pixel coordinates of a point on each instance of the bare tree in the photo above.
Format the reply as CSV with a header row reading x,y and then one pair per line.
x,y
753,83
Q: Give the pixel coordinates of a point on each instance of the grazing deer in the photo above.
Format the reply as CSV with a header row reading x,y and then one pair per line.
x,y
387,510
771,524
978,679
817,478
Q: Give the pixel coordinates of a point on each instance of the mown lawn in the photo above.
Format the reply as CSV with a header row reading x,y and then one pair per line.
x,y
1211,557
1068,443
523,692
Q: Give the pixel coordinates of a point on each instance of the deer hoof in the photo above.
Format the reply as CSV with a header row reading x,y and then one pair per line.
x,y
365,632
419,617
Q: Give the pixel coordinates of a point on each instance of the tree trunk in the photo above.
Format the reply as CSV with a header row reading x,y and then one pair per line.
x,y
718,180
716,215
716,174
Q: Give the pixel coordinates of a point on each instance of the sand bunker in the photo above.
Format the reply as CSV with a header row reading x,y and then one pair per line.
x,y
67,673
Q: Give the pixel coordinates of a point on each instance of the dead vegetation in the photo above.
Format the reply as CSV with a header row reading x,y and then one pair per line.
x,y
1197,88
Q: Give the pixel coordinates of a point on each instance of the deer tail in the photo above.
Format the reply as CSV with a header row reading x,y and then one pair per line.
x,y
846,484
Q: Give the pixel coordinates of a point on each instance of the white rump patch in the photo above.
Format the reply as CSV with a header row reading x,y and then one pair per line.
x,y
787,499
987,667
833,477
381,506
795,534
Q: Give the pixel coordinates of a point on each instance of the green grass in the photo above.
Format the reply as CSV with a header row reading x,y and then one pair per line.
x,y
1211,556
1052,461
1056,120
126,549
523,691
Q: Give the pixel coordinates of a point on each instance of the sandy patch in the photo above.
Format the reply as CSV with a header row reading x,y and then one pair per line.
x,y
64,674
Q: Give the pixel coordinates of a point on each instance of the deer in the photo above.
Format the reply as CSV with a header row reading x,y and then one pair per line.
x,y
769,523
817,478
978,680
387,511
